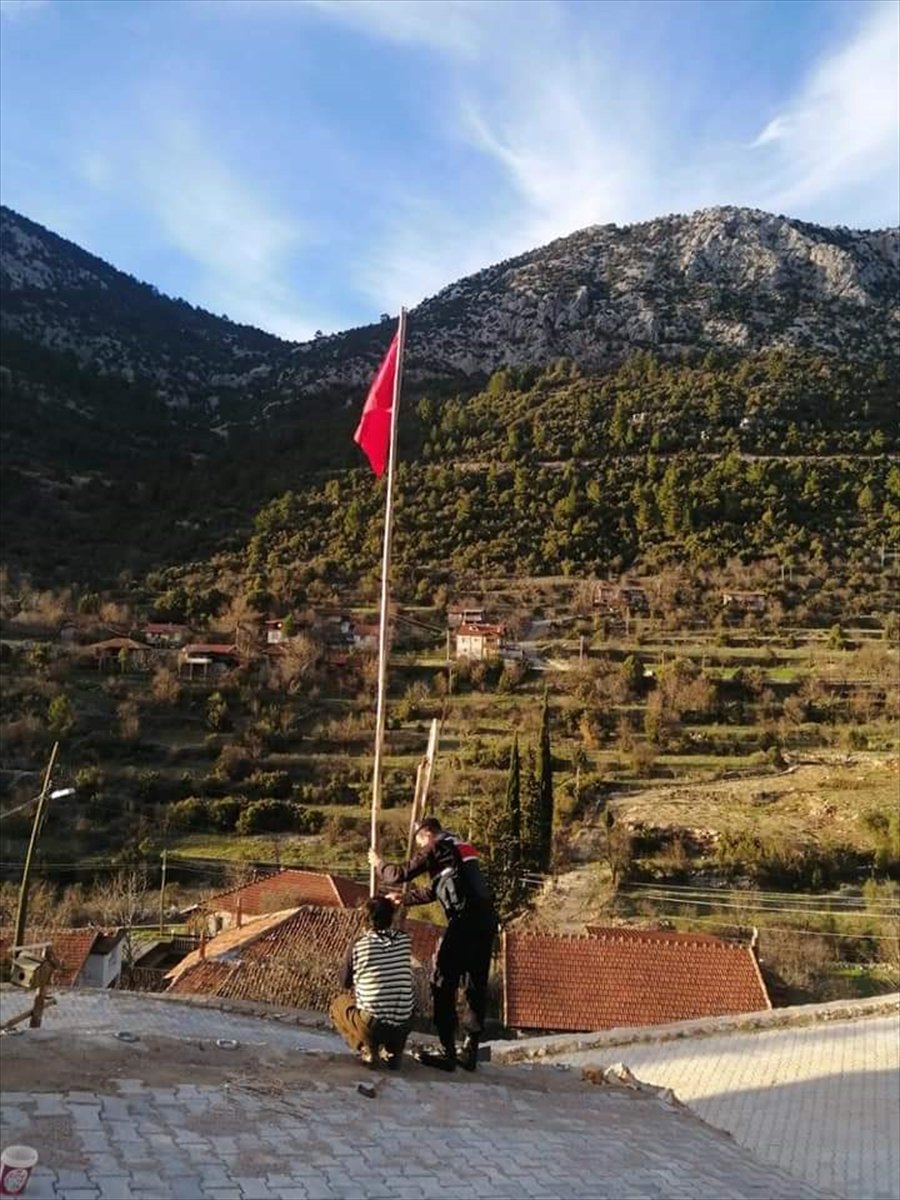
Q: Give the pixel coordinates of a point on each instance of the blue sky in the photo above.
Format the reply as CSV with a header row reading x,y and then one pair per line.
x,y
310,164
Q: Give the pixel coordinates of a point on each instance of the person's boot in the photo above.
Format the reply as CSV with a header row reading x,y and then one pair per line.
x,y
443,1059
468,1054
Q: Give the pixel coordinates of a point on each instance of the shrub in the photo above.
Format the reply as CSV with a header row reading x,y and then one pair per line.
x,y
88,779
277,816
224,813
189,814
233,763
346,831
276,784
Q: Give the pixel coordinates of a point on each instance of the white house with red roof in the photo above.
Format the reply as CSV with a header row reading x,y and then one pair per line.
x,y
479,642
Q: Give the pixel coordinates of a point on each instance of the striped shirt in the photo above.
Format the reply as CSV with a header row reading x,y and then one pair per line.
x,y
382,975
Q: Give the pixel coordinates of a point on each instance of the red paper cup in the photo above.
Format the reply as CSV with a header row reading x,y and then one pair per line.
x,y
16,1165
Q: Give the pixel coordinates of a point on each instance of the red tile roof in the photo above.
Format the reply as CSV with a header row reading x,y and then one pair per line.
x,y
292,960
232,940
70,947
116,643
290,888
615,977
203,978
209,648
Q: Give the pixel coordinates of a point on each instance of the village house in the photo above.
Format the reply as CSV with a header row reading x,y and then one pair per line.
x,y
479,642
287,888
615,596
274,631
123,652
151,961
365,636
165,635
87,957
622,977
745,601
210,658
346,633
291,958
464,614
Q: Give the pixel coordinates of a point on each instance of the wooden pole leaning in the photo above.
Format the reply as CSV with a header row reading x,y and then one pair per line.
x,y
385,601
424,771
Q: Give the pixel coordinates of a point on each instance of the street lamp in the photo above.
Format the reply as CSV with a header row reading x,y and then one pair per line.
x,y
45,795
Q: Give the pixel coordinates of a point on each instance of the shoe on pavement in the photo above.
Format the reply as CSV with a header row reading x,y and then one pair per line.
x,y
392,1061
366,1057
437,1058
468,1054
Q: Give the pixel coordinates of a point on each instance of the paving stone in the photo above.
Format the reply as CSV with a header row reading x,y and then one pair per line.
x,y
820,1101
513,1142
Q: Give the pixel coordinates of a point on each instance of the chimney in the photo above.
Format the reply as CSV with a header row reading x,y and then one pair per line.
x,y
240,913
202,944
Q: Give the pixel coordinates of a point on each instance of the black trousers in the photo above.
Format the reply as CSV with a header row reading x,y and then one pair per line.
x,y
463,957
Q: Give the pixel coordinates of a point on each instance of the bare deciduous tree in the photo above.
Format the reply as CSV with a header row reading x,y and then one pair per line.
x,y
123,901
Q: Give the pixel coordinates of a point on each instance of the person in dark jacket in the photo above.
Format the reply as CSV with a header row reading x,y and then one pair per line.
x,y
464,954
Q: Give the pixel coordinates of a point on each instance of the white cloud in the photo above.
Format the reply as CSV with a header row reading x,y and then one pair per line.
x,y
18,10
840,133
240,244
454,26
575,138
548,123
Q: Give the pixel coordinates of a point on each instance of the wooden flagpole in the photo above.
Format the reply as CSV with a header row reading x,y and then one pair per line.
x,y
385,599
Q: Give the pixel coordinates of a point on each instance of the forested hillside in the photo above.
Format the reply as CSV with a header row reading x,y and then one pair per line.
x,y
778,456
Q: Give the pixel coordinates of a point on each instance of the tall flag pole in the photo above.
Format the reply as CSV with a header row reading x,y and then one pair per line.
x,y
377,437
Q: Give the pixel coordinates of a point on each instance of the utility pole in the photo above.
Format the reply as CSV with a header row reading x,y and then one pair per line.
x,y
22,909
162,892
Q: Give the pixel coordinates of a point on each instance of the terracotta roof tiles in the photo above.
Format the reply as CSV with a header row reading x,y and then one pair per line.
x,y
290,888
232,940
292,958
617,977
70,947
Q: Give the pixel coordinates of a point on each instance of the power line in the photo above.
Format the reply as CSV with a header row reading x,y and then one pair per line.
x,y
711,891
801,912
764,929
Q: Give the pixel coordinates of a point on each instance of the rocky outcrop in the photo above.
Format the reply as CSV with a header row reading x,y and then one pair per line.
x,y
720,279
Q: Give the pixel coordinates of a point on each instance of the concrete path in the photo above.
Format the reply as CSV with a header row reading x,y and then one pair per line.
x,y
171,1117
820,1101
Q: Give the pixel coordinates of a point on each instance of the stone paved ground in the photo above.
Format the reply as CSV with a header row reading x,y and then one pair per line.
x,y
821,1101
170,1118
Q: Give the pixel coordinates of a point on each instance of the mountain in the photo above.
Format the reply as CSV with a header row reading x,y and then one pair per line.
x,y
139,430
722,279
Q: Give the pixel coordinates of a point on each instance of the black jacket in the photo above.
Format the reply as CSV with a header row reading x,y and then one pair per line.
x,y
455,879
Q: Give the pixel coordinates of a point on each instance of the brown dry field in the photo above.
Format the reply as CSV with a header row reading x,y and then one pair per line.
x,y
815,799
819,799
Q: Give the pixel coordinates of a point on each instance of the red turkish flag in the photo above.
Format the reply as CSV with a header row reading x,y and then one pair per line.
x,y
373,434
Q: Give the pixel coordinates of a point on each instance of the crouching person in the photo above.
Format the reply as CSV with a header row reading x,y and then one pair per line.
x,y
373,1015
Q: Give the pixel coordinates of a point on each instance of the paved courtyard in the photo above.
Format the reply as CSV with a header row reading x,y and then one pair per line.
x,y
820,1101
278,1116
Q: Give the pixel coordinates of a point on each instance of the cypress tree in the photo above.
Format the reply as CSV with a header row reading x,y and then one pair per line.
x,y
514,804
544,823
531,814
